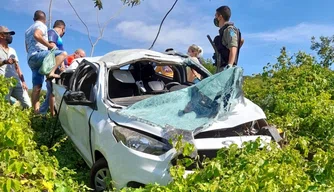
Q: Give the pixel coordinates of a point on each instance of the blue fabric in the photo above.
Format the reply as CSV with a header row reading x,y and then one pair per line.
x,y
55,38
45,105
35,62
37,78
34,46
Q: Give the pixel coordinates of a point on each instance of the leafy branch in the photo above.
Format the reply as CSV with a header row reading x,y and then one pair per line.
x,y
101,29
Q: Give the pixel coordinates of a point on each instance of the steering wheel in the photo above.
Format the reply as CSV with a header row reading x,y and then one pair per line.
x,y
172,83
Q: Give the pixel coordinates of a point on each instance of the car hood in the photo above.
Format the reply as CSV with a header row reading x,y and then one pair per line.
x,y
217,102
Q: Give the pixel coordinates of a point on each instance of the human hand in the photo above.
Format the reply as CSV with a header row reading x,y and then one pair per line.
x,y
228,66
52,46
11,61
24,86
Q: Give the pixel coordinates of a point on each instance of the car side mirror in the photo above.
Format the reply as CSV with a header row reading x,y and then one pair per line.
x,y
77,98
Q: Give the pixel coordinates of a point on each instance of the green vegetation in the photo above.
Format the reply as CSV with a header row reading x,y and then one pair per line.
x,y
296,93
24,164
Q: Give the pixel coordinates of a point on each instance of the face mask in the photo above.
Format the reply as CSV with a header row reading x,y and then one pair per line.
x,y
216,22
9,39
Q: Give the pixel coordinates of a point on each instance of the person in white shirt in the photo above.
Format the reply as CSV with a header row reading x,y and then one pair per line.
x,y
9,67
38,47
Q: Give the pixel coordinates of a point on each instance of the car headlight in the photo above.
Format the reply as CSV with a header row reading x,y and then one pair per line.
x,y
140,142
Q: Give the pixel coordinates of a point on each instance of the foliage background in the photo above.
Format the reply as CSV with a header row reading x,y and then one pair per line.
x,y
296,94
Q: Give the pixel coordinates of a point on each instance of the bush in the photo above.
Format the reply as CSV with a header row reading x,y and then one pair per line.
x,y
23,165
296,94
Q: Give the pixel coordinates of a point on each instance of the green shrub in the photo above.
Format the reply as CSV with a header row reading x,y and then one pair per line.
x,y
24,166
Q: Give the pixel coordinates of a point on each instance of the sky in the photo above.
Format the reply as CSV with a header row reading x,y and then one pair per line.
x,y
266,26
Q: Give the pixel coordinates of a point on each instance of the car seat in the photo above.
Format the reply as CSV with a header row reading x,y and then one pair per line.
x,y
150,82
121,84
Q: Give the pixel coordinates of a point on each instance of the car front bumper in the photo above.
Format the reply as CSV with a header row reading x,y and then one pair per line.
x,y
127,165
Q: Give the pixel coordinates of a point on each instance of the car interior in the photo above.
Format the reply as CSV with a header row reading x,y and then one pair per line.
x,y
141,80
131,83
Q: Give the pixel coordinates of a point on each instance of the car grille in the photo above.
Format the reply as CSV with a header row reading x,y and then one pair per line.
x,y
197,162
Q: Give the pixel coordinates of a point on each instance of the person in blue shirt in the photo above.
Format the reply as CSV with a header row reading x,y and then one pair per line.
x,y
55,37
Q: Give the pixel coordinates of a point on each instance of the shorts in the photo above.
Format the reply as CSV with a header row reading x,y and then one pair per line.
x,y
35,62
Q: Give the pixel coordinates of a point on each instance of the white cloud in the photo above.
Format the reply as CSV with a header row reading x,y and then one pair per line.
x,y
295,34
188,23
136,26
172,34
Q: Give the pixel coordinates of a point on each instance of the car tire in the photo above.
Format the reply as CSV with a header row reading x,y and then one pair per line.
x,y
99,172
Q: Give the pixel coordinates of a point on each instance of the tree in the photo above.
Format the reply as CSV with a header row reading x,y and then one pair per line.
x,y
208,64
99,5
101,28
50,14
325,50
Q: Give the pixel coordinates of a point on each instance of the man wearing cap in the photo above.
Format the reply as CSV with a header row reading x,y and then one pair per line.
x,y
9,67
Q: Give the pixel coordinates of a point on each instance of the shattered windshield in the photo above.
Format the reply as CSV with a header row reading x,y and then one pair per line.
x,y
197,106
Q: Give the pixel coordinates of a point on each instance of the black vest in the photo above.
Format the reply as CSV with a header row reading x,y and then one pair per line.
x,y
223,51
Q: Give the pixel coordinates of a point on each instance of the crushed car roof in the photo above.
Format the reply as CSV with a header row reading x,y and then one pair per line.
x,y
127,56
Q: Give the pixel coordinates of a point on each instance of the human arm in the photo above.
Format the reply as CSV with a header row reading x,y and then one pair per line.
x,y
52,37
232,44
232,56
38,35
20,74
7,61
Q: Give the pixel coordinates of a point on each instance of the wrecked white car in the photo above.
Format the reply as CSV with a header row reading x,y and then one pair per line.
x,y
120,112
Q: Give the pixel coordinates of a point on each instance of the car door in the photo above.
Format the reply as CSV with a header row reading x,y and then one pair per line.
x,y
79,113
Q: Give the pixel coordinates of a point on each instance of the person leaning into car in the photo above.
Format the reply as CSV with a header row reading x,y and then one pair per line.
x,y
55,38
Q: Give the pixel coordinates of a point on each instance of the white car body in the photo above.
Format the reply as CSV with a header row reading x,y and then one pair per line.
x,y
91,127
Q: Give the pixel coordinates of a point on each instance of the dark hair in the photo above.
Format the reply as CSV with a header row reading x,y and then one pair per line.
x,y
59,23
224,11
39,15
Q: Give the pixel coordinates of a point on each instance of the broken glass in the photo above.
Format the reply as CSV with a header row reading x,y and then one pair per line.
x,y
192,108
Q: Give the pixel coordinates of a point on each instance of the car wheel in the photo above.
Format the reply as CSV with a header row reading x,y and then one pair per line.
x,y
99,173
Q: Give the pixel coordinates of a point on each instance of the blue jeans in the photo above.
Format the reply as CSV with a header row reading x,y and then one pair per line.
x,y
35,62
45,105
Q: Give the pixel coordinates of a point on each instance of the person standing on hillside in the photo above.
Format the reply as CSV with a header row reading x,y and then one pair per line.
x,y
55,38
37,46
9,67
229,40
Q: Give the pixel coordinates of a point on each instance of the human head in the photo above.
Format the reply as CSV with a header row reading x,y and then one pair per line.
x,y
40,16
223,14
6,35
60,27
79,53
194,50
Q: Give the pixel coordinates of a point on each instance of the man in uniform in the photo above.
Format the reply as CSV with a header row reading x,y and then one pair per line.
x,y
229,40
